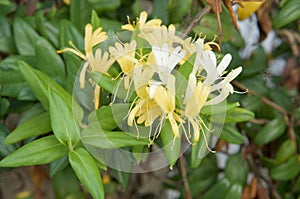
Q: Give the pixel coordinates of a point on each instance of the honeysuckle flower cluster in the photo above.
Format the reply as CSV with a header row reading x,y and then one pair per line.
x,y
152,74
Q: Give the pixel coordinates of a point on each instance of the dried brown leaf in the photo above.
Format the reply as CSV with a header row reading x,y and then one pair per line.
x,y
264,20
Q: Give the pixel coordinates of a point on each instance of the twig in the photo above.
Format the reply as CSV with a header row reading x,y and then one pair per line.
x,y
264,100
259,121
197,19
184,179
291,38
260,175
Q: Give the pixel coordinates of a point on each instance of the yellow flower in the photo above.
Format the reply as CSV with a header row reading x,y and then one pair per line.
x,y
141,23
160,35
95,63
125,56
165,99
195,98
91,39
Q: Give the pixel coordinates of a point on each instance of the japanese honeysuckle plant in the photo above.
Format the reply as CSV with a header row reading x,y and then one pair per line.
x,y
141,91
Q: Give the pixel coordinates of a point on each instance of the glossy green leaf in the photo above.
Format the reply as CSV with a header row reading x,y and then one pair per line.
x,y
171,145
105,5
86,170
122,177
95,136
270,131
54,68
11,62
58,165
25,37
179,9
234,115
95,20
115,87
7,45
39,82
236,170
287,14
11,77
4,148
67,33
287,170
235,191
160,10
41,151
108,117
218,108
200,150
4,105
80,20
218,190
256,64
65,127
204,176
252,103
73,64
66,185
286,150
140,153
231,135
35,126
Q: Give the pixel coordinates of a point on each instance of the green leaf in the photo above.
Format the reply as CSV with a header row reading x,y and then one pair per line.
x,y
41,151
122,177
115,87
7,45
39,82
171,145
160,10
86,170
95,20
73,64
80,13
252,103
95,136
11,77
25,37
65,127
236,170
58,165
234,115
256,64
68,32
110,116
105,5
66,185
5,149
218,108
204,176
232,135
285,151
287,170
179,10
270,131
218,190
54,68
199,150
235,191
35,126
4,105
286,15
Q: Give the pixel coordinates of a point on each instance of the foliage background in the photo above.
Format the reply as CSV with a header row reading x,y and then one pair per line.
x,y
259,160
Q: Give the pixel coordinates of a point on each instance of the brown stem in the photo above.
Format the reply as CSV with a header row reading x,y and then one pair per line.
x,y
184,178
259,121
264,100
197,19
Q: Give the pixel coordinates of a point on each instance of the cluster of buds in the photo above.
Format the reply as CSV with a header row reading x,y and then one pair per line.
x,y
152,74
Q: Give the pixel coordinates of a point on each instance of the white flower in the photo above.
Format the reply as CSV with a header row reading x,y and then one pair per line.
x,y
166,60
